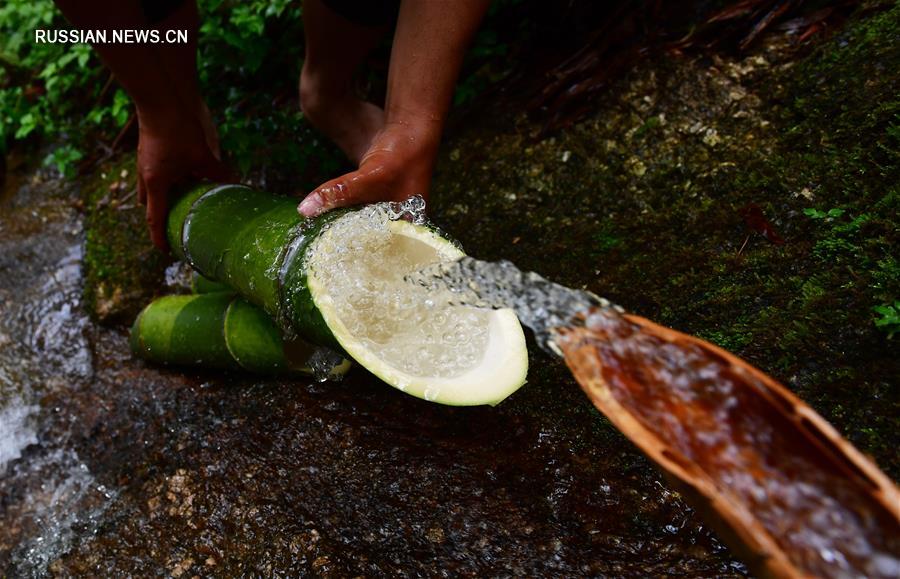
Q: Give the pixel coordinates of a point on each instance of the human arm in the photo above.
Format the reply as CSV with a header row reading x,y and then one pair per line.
x,y
176,138
428,51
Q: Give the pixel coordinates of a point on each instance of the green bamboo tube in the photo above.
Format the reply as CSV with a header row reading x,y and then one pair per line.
x,y
255,243
217,330
203,285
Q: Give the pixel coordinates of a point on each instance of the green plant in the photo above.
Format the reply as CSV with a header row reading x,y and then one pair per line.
x,y
840,238
819,214
64,158
889,318
38,81
249,58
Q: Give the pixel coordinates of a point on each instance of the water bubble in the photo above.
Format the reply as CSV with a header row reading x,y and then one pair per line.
x,y
413,207
323,362
364,264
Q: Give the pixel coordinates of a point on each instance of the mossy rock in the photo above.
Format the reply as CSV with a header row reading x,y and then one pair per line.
x,y
645,202
122,268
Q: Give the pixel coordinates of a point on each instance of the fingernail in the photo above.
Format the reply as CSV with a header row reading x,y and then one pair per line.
x,y
310,206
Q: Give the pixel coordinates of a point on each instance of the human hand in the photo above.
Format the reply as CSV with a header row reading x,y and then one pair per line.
x,y
174,148
397,166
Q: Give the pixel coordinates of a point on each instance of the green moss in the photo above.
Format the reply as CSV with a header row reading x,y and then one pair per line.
x,y
605,239
122,269
734,339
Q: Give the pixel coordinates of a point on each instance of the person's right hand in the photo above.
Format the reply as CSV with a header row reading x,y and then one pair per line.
x,y
174,148
397,166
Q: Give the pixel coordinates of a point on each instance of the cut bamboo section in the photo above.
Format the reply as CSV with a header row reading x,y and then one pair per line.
x,y
254,243
259,245
772,448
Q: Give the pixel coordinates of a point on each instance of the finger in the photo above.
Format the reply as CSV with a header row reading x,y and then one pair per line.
x,y
157,210
334,193
216,171
350,189
142,189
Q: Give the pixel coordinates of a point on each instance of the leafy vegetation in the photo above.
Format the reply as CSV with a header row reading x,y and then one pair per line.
x,y
250,55
889,318
249,61
37,81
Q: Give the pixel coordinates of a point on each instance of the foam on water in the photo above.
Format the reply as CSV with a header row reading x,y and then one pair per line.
x,y
65,505
363,265
16,430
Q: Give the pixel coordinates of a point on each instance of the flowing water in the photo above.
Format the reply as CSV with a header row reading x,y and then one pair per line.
x,y
48,493
710,419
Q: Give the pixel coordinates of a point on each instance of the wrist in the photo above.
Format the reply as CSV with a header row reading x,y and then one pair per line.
x,y
169,119
425,132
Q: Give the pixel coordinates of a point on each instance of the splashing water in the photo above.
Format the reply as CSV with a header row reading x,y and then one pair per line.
x,y
540,304
48,493
363,262
65,502
412,208
16,430
324,362
709,418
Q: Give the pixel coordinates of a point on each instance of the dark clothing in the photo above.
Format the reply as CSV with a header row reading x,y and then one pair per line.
x,y
363,12
371,13
155,11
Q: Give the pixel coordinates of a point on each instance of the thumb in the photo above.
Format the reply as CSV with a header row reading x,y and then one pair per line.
x,y
157,211
336,193
216,171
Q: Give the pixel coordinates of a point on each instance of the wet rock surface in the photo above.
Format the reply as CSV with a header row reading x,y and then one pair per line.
x,y
122,269
660,201
122,469
351,479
